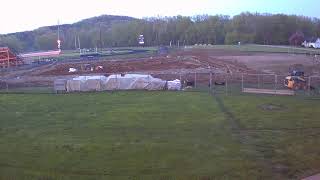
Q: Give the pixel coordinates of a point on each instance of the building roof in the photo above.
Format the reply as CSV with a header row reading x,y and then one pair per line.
x,y
42,54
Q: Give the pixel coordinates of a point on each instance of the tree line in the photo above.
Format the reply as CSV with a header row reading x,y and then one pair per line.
x,y
120,31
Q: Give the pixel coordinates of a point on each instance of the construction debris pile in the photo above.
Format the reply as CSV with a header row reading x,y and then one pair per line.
x,y
115,82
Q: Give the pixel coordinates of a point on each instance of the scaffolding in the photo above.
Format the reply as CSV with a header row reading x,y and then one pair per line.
x,y
8,58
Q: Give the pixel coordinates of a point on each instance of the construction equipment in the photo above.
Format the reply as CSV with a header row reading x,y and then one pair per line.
x,y
296,80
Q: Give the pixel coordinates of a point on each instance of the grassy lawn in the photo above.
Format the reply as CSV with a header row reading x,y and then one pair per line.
x,y
27,90
265,48
157,135
287,136
124,52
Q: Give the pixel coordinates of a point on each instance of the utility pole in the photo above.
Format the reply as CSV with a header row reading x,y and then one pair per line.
x,y
79,42
100,38
58,30
58,41
75,42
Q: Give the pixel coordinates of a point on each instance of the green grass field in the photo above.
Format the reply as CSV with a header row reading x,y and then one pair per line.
x,y
120,52
158,135
265,48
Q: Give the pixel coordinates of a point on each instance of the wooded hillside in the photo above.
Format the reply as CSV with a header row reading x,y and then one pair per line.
x,y
116,31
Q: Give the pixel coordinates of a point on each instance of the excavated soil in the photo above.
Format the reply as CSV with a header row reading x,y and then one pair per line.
x,y
186,59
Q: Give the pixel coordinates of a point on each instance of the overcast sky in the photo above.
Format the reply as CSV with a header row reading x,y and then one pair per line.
x,y
21,15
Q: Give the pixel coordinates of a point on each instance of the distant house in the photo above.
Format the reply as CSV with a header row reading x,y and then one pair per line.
x,y
312,43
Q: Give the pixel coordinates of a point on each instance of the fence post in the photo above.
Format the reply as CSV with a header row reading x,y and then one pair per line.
x,y
242,85
210,80
213,83
180,78
275,83
7,87
226,84
258,80
116,87
309,86
195,80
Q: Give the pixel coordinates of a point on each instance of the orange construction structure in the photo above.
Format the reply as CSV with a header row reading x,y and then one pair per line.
x,y
9,58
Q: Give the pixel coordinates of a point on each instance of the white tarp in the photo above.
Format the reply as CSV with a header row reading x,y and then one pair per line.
x,y
93,85
72,70
115,82
85,78
317,44
174,85
73,85
86,83
60,85
134,82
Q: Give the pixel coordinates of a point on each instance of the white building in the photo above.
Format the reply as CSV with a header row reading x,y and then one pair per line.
x,y
312,44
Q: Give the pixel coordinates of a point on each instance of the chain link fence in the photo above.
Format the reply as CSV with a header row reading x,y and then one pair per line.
x,y
217,83
25,88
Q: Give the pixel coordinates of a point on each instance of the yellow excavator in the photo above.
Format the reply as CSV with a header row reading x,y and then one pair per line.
x,y
296,81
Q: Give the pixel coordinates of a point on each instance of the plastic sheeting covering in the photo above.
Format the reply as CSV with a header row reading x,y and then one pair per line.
x,y
60,85
174,85
134,82
115,82
73,85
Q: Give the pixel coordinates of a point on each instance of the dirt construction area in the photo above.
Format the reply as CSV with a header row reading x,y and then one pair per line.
x,y
224,61
179,61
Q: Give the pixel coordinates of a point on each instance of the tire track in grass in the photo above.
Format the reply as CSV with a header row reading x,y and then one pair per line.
x,y
262,151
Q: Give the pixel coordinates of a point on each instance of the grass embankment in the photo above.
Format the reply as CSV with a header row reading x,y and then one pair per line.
x,y
157,135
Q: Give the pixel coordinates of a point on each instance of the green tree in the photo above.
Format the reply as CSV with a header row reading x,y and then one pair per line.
x,y
46,41
11,42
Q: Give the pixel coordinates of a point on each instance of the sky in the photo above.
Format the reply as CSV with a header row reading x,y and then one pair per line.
x,y
31,14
